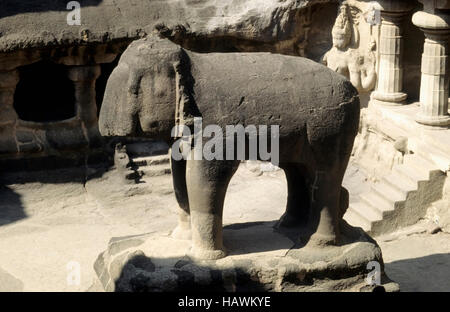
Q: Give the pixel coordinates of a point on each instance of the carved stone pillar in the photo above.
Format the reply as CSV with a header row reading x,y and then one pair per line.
x,y
8,83
390,77
435,69
84,78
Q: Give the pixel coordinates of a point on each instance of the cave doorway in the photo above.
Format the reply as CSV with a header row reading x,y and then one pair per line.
x,y
44,93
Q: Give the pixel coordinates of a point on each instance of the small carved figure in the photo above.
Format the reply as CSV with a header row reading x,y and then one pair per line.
x,y
359,68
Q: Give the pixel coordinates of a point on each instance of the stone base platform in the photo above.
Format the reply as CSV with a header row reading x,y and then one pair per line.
x,y
260,259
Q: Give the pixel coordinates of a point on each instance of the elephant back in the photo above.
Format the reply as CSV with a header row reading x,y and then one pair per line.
x,y
265,88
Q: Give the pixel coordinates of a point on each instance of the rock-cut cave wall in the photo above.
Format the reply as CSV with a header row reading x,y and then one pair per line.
x,y
53,75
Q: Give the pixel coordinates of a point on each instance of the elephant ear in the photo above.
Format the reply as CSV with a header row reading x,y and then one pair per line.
x,y
186,108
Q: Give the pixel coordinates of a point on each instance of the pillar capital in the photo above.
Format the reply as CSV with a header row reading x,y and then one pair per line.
x,y
432,22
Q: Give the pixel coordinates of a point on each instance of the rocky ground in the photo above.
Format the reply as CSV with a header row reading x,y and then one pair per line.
x,y
49,222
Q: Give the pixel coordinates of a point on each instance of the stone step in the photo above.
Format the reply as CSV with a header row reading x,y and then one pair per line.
x,y
400,183
388,193
439,140
385,196
377,203
410,173
355,219
435,155
151,160
421,164
364,212
155,170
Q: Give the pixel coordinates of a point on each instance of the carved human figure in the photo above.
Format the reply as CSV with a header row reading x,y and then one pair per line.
x,y
359,68
158,83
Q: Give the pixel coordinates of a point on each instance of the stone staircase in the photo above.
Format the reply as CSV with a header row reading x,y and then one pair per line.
x,y
400,198
403,196
149,166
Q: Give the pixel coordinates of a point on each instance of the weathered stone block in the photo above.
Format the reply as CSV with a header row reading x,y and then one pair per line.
x,y
261,259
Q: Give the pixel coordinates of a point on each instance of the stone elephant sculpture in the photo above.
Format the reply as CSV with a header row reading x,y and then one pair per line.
x,y
157,84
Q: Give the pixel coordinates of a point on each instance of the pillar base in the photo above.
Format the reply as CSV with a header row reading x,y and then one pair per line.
x,y
389,99
435,121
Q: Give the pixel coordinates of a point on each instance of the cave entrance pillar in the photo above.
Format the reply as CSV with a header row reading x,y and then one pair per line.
x,y
84,78
389,89
8,83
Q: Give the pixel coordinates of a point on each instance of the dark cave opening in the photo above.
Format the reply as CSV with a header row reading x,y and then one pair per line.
x,y
44,93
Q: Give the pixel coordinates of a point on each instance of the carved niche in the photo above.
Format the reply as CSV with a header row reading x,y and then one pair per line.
x,y
355,36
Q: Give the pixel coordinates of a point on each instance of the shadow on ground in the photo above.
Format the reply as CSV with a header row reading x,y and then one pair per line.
x,y
430,273
11,208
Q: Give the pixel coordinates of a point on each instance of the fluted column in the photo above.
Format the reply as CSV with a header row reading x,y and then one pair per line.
x,y
389,88
8,83
435,69
84,78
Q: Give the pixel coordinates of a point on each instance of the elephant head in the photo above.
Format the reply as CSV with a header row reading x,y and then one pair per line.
x,y
141,93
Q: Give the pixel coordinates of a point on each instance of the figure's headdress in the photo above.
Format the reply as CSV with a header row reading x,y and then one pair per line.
x,y
342,26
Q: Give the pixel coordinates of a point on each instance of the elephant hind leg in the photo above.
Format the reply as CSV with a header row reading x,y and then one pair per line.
x,y
207,183
298,201
328,199
183,229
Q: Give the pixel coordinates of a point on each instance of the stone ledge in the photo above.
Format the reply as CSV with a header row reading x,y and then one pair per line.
x,y
260,259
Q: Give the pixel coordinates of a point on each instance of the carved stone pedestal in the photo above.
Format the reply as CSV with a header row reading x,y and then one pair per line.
x,y
260,259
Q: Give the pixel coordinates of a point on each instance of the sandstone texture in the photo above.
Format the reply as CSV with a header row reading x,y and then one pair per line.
x,y
30,24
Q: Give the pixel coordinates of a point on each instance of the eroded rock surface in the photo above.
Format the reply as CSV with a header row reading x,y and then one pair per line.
x,y
260,259
30,24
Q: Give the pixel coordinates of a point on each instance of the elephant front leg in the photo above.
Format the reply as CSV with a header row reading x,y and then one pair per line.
x,y
183,230
207,182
